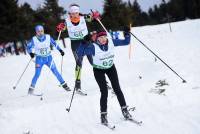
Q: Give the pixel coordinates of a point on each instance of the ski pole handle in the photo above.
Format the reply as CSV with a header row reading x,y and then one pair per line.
x,y
100,23
59,35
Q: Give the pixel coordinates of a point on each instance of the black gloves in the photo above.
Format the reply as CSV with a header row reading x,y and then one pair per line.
x,y
62,52
126,30
32,55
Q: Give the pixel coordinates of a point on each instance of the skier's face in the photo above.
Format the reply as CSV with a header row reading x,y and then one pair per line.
x,y
39,33
102,39
74,15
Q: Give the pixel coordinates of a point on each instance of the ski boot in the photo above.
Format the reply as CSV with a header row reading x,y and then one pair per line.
x,y
104,119
126,113
78,88
66,87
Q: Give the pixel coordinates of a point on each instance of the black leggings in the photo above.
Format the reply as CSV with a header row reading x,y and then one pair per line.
x,y
99,75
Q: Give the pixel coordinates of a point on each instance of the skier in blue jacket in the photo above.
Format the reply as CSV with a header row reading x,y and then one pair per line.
x,y
102,51
39,47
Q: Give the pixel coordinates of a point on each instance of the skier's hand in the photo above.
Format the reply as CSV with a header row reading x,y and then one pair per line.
x,y
62,52
32,55
96,15
126,30
60,27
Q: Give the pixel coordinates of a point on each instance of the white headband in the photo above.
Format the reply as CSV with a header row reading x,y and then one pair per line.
x,y
74,9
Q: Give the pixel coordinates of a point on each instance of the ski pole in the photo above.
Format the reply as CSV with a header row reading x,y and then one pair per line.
x,y
59,35
14,87
68,109
100,23
184,81
61,66
62,56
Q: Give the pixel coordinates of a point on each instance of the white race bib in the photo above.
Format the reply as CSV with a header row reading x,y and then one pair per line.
x,y
104,59
42,48
79,31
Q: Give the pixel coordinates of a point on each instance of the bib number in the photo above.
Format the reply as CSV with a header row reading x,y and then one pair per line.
x,y
78,34
43,51
107,63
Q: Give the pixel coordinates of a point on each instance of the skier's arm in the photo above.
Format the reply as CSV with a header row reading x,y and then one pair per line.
x,y
88,17
30,46
54,44
124,42
85,49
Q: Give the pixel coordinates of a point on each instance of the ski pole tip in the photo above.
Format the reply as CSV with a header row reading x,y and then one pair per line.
x,y
184,81
67,110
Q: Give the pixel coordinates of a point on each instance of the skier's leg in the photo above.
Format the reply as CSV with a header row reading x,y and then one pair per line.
x,y
113,76
101,81
74,46
53,68
38,67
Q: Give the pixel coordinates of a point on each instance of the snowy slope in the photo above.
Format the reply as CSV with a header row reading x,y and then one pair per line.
x,y
176,111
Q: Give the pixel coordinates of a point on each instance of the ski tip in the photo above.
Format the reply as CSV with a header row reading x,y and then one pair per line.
x,y
112,127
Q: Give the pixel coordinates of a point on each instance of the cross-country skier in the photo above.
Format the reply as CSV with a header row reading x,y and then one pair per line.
x,y
102,51
77,29
39,47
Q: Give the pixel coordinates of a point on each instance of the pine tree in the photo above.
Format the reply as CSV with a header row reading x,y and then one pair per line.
x,y
136,17
116,14
26,21
50,15
9,20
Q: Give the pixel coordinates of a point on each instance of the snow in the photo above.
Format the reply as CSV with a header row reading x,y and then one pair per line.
x,y
176,111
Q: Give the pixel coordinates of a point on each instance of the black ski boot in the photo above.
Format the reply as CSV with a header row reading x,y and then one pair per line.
x,y
30,90
126,113
78,88
104,119
66,87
